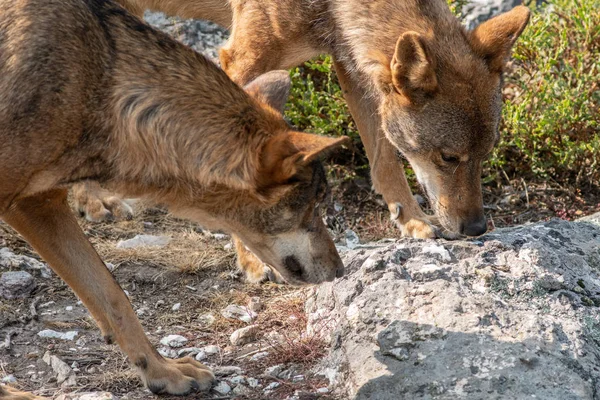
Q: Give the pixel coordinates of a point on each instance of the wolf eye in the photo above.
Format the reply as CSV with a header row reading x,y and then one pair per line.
x,y
449,159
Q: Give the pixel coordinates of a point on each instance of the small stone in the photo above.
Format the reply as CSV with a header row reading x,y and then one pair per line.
x,y
9,379
244,335
274,371
10,260
259,356
298,378
87,396
16,285
271,386
241,390
234,311
207,351
188,351
323,390
174,341
253,382
65,374
176,306
227,370
207,319
237,379
352,239
50,334
144,241
222,388
69,308
256,305
201,356
167,352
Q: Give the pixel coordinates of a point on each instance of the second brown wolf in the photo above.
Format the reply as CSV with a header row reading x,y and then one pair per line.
x,y
416,82
88,91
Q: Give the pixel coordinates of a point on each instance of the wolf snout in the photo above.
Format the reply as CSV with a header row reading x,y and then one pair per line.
x,y
474,227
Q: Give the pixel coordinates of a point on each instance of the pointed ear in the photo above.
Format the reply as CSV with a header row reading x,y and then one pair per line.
x,y
494,39
286,154
412,68
272,88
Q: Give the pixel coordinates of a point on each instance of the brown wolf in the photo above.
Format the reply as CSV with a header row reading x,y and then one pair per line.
x,y
88,91
415,80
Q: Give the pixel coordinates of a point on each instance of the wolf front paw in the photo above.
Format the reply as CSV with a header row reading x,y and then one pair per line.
x,y
177,377
99,205
253,269
418,227
8,393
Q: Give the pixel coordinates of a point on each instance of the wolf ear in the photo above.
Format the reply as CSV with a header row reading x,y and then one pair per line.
x,y
285,155
272,88
494,39
412,68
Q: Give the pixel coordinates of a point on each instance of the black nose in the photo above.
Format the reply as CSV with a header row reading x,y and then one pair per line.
x,y
475,227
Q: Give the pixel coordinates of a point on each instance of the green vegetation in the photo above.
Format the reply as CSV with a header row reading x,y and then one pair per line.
x,y
551,128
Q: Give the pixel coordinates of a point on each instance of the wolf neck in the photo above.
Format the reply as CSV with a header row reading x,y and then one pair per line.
x,y
367,34
182,124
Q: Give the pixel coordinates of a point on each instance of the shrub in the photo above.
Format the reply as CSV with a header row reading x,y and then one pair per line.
x,y
551,126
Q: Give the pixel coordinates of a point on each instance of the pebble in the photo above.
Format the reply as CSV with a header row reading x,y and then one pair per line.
x,y
9,379
176,306
274,371
241,390
227,370
271,386
244,335
87,396
352,239
174,341
323,390
222,388
16,285
237,379
219,236
259,356
253,382
144,241
234,311
69,308
65,374
167,352
207,351
188,351
50,334
255,305
10,260
207,319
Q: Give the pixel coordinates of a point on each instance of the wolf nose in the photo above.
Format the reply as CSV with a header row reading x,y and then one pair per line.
x,y
475,227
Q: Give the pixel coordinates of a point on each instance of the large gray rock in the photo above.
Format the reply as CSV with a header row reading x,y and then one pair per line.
x,y
512,315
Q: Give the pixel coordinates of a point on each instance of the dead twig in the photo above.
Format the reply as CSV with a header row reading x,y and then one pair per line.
x,y
32,308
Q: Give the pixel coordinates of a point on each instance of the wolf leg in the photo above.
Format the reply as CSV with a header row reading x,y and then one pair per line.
x,y
387,171
48,224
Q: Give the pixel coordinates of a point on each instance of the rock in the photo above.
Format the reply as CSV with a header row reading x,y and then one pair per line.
x,y
176,306
88,396
222,388
144,241
478,11
274,371
241,390
207,319
259,356
174,341
271,386
352,239
167,352
188,351
65,375
227,370
207,351
510,315
234,311
10,260
253,382
256,305
9,379
50,334
244,335
16,285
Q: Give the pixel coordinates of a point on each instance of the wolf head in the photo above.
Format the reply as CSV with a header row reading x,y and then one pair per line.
x,y
441,108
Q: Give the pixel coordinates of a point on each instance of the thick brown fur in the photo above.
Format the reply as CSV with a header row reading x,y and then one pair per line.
x,y
91,93
415,80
